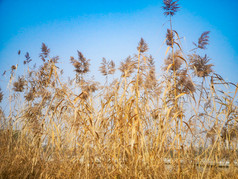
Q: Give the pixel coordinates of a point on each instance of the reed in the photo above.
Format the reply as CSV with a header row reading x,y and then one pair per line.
x,y
182,124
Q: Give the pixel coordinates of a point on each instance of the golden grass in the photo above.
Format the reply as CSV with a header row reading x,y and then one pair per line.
x,y
182,125
125,130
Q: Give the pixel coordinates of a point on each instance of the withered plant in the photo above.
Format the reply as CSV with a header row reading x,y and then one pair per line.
x,y
136,124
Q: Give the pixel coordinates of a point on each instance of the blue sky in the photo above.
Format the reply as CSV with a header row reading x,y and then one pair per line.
x,y
112,29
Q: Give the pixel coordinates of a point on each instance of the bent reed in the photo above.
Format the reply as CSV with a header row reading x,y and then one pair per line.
x,y
182,124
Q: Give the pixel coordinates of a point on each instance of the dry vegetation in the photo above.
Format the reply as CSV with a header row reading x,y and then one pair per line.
x,y
180,125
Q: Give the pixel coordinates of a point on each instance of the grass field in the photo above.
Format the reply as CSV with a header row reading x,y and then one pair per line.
x,y
181,124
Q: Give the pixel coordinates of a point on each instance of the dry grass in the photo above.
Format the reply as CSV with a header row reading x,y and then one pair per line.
x,y
182,125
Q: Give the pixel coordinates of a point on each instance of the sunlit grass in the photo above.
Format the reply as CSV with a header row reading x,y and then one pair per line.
x,y
182,124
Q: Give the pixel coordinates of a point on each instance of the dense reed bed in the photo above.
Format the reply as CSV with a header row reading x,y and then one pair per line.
x,y
182,124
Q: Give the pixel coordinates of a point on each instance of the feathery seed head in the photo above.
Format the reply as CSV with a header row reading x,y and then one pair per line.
x,y
1,95
127,67
203,40
169,37
200,65
142,46
28,58
18,86
107,67
177,61
44,52
170,7
81,65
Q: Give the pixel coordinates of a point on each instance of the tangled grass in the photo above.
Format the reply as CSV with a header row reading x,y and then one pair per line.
x,y
181,125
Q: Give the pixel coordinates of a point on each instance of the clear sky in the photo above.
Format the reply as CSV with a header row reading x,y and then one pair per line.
x,y
112,29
